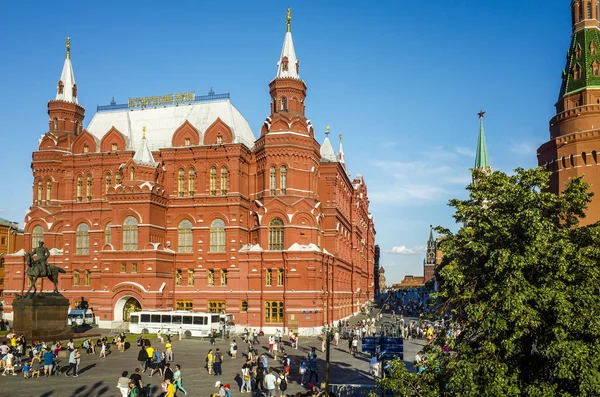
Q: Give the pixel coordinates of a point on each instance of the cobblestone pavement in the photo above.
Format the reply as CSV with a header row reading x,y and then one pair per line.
x,y
98,376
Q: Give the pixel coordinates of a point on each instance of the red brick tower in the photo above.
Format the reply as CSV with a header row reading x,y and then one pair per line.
x,y
575,130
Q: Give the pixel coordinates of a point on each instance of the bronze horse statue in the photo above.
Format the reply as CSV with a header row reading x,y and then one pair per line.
x,y
36,270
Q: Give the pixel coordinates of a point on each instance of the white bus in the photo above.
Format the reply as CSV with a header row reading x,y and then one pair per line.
x,y
186,322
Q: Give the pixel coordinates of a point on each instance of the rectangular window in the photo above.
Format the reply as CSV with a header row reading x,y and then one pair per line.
x,y
113,147
155,318
3,240
269,277
223,277
274,311
200,320
88,278
280,277
184,305
211,277
123,268
178,277
165,319
191,280
134,268
145,318
216,306
187,319
1,263
76,277
244,306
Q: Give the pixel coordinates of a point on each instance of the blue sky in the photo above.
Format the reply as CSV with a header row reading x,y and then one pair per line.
x,y
403,81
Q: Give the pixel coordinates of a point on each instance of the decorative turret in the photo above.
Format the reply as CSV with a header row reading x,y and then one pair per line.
x,y
143,155
482,162
66,115
340,155
287,90
327,152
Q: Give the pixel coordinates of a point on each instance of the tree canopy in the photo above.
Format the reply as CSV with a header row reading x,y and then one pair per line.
x,y
523,279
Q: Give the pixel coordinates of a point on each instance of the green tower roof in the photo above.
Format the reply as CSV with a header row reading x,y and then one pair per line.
x,y
481,158
583,56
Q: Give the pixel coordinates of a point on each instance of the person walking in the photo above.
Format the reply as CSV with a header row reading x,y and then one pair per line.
x,y
302,371
233,349
313,369
177,379
142,357
246,378
169,351
123,384
73,356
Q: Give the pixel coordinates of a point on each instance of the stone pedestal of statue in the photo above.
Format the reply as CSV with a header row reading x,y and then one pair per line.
x,y
42,317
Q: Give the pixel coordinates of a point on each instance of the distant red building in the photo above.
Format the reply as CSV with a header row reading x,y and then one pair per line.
x,y
171,202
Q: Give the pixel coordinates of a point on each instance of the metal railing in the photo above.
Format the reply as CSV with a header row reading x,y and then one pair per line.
x,y
197,98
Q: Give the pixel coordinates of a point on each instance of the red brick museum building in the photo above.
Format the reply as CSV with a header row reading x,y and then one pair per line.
x,y
170,202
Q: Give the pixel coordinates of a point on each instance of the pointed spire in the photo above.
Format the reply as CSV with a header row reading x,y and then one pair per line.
x,y
327,152
288,65
143,154
340,155
67,89
430,234
481,159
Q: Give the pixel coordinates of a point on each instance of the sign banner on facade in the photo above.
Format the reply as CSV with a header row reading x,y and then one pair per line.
x,y
168,99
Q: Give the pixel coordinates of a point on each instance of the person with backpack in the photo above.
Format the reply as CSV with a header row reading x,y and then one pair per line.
x,y
218,361
142,357
282,383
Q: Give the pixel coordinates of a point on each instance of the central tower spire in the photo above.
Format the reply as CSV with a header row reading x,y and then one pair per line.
x,y
481,158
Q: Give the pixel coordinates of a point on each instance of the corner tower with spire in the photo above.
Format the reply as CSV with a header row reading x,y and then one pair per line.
x,y
66,115
574,140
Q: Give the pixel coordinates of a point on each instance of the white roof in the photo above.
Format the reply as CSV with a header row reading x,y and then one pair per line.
x,y
68,79
288,51
327,152
304,247
162,122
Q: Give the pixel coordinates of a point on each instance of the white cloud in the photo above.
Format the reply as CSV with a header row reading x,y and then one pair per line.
x,y
465,151
523,148
389,144
403,250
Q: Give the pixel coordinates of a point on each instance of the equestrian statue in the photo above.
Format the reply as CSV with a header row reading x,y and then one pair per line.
x,y
37,266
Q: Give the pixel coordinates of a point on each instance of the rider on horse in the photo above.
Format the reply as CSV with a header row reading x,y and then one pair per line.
x,y
41,257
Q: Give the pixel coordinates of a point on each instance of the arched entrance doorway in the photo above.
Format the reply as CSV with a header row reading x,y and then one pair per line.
x,y
124,307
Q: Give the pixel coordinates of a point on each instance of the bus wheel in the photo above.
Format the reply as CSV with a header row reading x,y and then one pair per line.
x,y
145,331
188,333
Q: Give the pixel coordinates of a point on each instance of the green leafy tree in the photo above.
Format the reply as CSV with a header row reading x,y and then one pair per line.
x,y
524,280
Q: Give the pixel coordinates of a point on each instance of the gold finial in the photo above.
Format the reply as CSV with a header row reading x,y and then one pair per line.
x,y
326,130
289,19
144,130
68,48
340,137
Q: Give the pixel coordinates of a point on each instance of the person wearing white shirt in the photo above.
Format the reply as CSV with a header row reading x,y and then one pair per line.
x,y
270,380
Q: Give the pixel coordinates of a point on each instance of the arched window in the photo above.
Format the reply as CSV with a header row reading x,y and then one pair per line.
x,y
39,193
86,148
273,181
577,72
132,174
88,188
224,180
48,192
107,183
217,236
284,104
180,183
77,132
37,236
82,242
572,160
55,124
584,158
580,13
107,234
283,179
184,233
276,234
563,162
75,277
79,188
191,182
594,157
589,10
213,181
130,234
118,179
